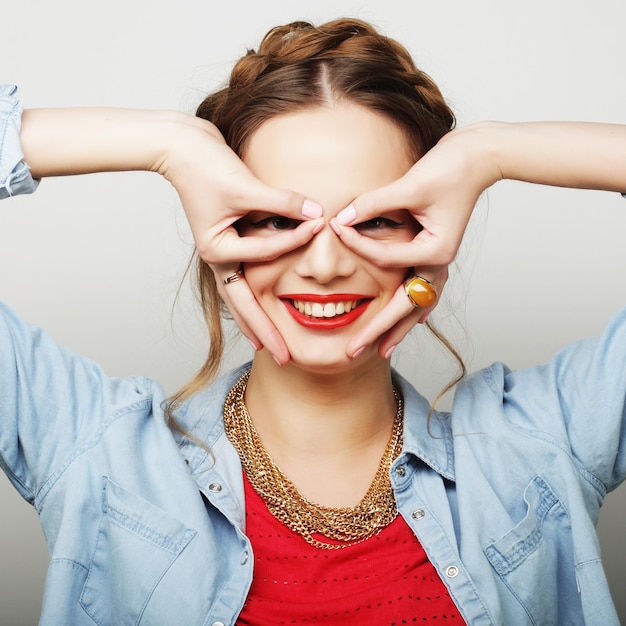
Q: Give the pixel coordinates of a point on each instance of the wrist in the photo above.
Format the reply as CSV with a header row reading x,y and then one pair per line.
x,y
187,144
484,148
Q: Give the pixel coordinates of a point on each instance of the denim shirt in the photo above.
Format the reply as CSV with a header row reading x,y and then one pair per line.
x,y
144,526
15,176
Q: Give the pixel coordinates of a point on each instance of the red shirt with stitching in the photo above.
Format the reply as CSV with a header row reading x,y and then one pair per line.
x,y
386,579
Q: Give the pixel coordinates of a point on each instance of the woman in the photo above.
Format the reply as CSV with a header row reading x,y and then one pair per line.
x,y
287,485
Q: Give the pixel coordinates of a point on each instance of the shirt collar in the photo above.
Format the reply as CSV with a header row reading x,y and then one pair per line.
x,y
428,440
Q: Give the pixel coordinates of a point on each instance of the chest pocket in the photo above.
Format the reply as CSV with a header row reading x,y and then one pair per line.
x,y
136,545
535,559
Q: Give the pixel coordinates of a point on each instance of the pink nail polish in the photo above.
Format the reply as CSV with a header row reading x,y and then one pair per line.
x,y
318,228
390,352
347,216
335,227
356,354
277,361
311,209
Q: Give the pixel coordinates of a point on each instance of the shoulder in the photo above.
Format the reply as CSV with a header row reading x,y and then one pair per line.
x,y
573,404
202,414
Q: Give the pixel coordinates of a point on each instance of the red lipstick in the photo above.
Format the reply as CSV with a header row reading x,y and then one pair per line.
x,y
326,323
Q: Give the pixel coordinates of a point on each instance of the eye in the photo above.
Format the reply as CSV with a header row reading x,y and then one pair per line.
x,y
393,226
379,223
262,224
275,222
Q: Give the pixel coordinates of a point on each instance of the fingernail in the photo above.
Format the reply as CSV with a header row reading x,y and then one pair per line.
x,y
252,344
423,319
277,361
390,352
335,227
318,228
347,216
311,209
356,354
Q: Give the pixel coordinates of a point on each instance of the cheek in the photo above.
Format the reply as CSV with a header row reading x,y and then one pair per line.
x,y
389,279
261,278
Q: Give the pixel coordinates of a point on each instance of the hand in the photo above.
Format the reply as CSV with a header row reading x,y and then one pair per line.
x,y
216,190
440,191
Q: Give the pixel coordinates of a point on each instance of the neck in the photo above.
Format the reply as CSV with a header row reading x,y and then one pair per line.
x,y
327,432
317,413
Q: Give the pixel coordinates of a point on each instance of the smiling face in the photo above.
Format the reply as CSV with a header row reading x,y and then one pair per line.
x,y
319,295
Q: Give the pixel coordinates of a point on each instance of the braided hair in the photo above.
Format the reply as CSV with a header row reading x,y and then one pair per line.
x,y
300,65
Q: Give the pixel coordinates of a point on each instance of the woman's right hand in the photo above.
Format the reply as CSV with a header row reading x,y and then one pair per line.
x,y
215,187
216,190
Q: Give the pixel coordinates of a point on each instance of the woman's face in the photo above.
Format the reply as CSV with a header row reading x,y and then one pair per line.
x,y
319,295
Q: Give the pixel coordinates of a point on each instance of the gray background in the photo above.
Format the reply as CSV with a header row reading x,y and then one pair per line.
x,y
97,260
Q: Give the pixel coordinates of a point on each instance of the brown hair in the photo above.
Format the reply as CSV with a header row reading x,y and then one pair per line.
x,y
300,66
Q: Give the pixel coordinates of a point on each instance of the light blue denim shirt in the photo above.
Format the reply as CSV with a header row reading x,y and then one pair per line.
x,y
15,176
146,527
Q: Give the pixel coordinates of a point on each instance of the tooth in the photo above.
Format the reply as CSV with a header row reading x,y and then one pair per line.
x,y
348,306
353,304
317,310
329,309
340,308
307,308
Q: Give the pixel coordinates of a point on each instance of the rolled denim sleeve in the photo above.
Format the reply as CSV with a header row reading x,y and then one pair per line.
x,y
15,176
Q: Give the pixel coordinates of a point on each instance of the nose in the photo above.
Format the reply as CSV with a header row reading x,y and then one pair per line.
x,y
325,258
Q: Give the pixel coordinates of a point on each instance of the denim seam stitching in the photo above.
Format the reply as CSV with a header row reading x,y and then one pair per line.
x,y
49,483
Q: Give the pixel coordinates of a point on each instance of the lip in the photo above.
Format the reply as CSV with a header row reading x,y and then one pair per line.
x,y
322,323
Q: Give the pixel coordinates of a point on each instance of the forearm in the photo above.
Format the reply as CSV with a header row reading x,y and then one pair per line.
x,y
59,142
565,154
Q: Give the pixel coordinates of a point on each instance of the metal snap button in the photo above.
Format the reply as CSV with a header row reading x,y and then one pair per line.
x,y
418,514
452,571
215,487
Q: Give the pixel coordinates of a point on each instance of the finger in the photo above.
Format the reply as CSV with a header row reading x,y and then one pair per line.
x,y
396,309
400,194
245,330
229,247
251,318
424,249
261,197
398,332
398,316
420,314
235,275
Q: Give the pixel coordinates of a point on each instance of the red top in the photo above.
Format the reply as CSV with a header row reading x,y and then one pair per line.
x,y
386,579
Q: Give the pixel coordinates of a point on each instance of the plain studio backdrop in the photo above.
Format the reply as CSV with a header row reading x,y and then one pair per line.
x,y
97,260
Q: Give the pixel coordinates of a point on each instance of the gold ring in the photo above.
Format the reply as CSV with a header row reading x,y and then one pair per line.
x,y
421,292
233,277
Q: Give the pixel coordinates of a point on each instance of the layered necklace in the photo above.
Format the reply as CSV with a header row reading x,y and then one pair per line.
x,y
347,525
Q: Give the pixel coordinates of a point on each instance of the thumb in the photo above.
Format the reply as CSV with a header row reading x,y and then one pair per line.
x,y
397,195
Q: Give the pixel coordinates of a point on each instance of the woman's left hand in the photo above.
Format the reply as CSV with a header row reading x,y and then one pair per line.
x,y
440,191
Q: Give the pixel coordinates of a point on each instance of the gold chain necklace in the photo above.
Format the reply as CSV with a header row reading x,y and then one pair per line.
x,y
349,525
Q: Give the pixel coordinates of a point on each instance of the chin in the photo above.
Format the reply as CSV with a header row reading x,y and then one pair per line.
x,y
329,362
323,366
